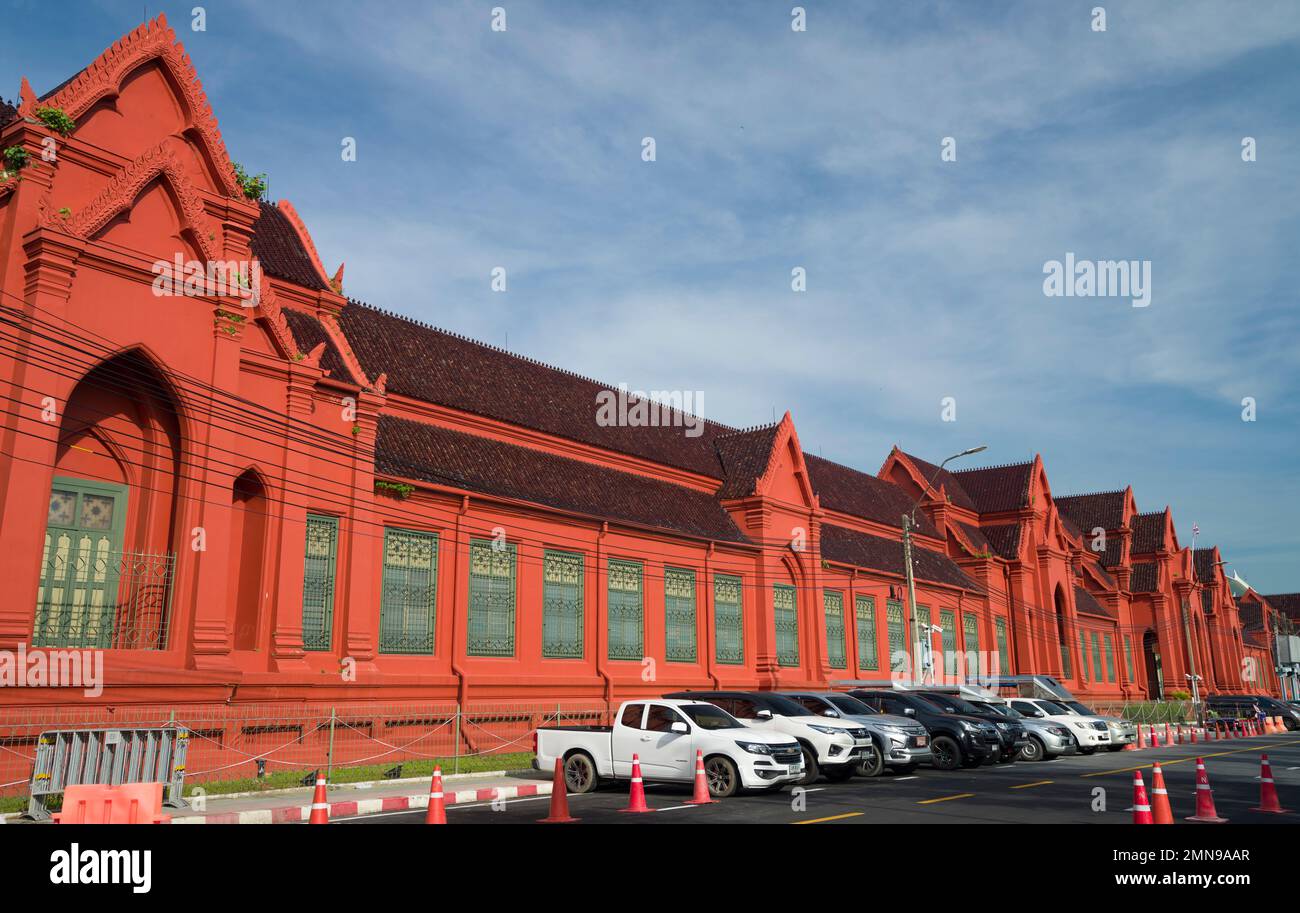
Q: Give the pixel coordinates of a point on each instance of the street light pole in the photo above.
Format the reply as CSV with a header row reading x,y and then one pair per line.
x,y
921,640
1187,629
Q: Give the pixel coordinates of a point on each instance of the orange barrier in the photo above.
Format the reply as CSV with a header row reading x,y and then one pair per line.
x,y
559,799
1141,808
701,796
437,811
1268,801
1205,811
130,803
636,799
1161,813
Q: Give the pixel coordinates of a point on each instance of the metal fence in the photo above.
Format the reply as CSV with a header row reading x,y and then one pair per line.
x,y
118,600
1149,711
108,757
247,742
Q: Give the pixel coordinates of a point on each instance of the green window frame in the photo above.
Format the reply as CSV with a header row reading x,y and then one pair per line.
x,y
865,609
626,603
1110,658
563,634
836,650
785,617
679,615
1096,657
409,592
1083,657
490,626
728,620
948,621
971,633
1128,656
1000,634
319,566
896,627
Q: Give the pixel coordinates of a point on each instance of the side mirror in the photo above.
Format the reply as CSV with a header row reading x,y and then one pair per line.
x,y
908,711
764,714
680,727
834,714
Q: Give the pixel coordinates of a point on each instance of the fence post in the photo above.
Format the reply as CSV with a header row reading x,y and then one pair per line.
x,y
329,755
456,756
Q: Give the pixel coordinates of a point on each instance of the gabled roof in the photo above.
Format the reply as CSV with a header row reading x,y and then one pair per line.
x,y
1144,577
416,450
975,537
861,495
1286,603
1087,604
308,333
744,456
1203,560
993,489
280,249
1149,533
943,479
1103,509
848,546
1005,539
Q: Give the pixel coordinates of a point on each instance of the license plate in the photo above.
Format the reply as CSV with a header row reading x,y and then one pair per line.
x,y
795,769
920,741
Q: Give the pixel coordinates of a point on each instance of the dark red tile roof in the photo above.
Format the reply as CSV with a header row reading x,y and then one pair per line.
x,y
744,457
1251,614
942,479
280,251
1144,577
1005,539
1110,556
1207,601
976,538
861,495
1286,603
1148,533
7,112
1087,512
440,367
308,333
997,488
416,450
1255,637
847,546
1203,561
1087,604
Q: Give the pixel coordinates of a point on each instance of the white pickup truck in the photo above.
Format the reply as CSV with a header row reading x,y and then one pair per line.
x,y
665,734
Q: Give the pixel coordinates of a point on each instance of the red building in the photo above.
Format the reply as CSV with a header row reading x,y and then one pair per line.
x,y
313,499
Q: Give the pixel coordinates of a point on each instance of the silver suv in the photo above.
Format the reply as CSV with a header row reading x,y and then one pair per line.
x,y
901,742
1047,740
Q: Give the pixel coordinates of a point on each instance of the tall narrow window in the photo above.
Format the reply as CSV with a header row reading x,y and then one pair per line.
x,y
626,610
1083,657
408,598
948,622
318,581
490,630
1128,656
679,615
786,617
1110,659
866,624
833,604
971,632
1096,657
728,627
897,630
1004,657
562,630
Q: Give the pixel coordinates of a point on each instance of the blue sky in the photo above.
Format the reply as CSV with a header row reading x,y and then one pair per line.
x,y
820,149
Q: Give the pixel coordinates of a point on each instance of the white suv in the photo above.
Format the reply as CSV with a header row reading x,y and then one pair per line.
x,y
1092,732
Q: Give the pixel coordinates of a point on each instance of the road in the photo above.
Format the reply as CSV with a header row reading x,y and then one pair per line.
x,y
1063,791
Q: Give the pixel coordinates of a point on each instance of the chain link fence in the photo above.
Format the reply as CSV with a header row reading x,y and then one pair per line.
x,y
253,742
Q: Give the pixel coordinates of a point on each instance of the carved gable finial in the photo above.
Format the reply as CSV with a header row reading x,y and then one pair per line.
x,y
26,98
337,282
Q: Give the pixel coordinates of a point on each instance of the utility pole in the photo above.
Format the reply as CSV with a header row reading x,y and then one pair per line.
x,y
921,640
1187,629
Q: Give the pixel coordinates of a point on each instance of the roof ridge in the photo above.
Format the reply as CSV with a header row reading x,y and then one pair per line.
x,y
993,466
527,359
749,430
1088,494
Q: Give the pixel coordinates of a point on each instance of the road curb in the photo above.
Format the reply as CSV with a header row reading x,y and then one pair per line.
x,y
353,808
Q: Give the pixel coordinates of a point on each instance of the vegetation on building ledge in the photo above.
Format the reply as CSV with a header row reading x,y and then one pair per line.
x,y
253,186
56,119
399,490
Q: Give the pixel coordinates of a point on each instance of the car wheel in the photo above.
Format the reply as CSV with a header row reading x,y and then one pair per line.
x,y
721,775
580,773
904,770
873,765
946,753
811,771
1033,750
840,774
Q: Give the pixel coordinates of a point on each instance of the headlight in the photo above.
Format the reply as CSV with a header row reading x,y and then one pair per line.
x,y
755,747
1057,730
890,727
829,730
970,727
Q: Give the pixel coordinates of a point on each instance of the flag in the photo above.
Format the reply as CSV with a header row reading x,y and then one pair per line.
x,y
1196,530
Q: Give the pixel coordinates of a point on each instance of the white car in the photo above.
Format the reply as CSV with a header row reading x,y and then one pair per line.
x,y
665,734
832,747
1091,732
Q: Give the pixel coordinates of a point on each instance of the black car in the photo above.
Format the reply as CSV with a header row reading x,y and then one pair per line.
x,y
1247,707
1010,731
956,740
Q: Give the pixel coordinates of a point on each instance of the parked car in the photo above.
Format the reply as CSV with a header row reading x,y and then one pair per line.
x,y
665,734
1091,732
1047,740
901,743
829,746
956,740
1122,732
1243,707
1010,732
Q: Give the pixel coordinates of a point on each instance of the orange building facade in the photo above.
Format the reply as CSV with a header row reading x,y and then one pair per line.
x,y
266,490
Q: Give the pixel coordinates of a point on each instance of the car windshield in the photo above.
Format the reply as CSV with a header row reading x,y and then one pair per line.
x,y
851,705
1001,709
1077,708
786,707
1054,709
949,704
706,716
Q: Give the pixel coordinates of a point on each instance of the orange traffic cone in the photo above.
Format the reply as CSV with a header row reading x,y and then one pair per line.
x,y
1161,813
437,813
701,796
1141,808
636,801
1192,735
1142,737
1268,801
320,806
559,799
1155,737
1169,735
1205,811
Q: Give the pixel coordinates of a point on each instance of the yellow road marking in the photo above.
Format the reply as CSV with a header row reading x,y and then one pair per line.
x,y
1027,785
945,799
1216,754
831,818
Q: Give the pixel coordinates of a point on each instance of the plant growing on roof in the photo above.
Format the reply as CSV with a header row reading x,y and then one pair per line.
x,y
16,158
400,490
56,119
253,186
